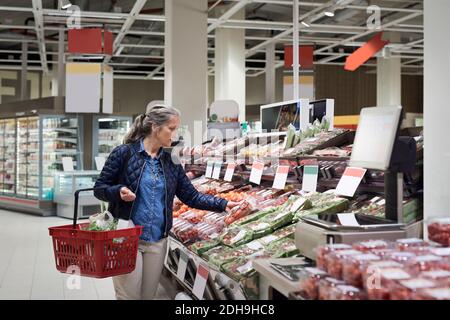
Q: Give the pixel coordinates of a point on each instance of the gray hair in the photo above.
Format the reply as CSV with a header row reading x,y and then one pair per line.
x,y
142,126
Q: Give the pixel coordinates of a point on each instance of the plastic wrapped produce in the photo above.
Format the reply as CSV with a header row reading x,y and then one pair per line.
x,y
201,247
385,281
444,253
326,286
383,253
334,261
406,289
439,231
282,248
370,272
335,205
230,254
242,267
323,251
215,219
352,268
219,255
368,246
442,293
309,282
405,244
346,292
277,220
259,228
441,277
236,236
401,256
256,216
238,212
286,232
427,263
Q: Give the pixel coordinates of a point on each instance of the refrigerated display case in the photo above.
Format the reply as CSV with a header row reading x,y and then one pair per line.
x,y
32,152
108,133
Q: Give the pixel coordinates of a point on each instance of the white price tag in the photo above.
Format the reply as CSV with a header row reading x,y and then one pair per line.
x,y
230,172
350,181
182,265
100,163
67,164
216,171
280,177
310,174
209,169
348,219
254,245
256,173
200,281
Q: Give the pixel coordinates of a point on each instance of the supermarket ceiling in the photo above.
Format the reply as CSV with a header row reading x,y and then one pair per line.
x,y
139,51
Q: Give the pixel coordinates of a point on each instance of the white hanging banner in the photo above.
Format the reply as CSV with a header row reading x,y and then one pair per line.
x,y
280,177
216,171
257,171
83,87
108,89
230,172
350,181
200,281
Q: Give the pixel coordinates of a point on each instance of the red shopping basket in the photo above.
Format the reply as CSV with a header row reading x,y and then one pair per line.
x,y
97,254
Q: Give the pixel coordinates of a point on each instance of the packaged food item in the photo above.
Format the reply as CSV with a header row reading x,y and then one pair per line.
x,y
259,228
346,292
201,247
335,259
238,212
427,263
370,272
352,268
382,253
441,277
368,246
236,236
406,289
444,253
405,244
282,248
326,286
384,281
323,251
442,293
256,216
335,205
439,231
277,220
184,231
401,256
309,282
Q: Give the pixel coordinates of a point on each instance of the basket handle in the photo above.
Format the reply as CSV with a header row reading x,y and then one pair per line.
x,y
75,210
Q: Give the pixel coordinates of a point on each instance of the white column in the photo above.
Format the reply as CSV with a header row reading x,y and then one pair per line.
x,y
229,83
270,74
185,85
389,81
61,64
436,108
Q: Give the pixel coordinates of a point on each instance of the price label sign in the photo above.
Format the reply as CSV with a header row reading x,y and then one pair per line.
x,y
257,171
182,265
216,171
230,172
209,169
200,281
280,177
310,174
350,181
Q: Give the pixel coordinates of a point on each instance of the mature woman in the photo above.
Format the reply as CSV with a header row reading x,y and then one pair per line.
x,y
140,180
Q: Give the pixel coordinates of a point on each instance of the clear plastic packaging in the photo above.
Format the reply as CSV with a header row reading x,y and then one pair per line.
x,y
370,272
326,285
334,261
368,246
309,282
439,231
442,293
384,281
426,263
383,253
352,268
441,277
323,251
444,253
405,244
401,256
346,292
406,289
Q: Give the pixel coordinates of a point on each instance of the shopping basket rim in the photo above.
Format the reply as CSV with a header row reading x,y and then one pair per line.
x,y
69,231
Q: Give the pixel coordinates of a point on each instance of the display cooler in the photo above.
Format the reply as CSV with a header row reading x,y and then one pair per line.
x,y
108,133
32,148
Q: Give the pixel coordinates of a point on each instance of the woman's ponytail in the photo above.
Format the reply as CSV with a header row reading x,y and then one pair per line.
x,y
138,130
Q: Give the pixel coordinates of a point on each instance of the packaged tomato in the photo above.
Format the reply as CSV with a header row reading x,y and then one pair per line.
x,y
444,253
352,268
382,253
441,277
426,263
406,289
370,272
405,244
383,281
401,256
442,293
326,285
368,246
335,259
309,282
322,251
439,231
346,292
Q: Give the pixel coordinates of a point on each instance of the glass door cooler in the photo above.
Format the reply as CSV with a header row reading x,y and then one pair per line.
x,y
7,157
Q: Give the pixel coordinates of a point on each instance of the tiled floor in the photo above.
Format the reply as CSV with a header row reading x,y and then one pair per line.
x,y
27,266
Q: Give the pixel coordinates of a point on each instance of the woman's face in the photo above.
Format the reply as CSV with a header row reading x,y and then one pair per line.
x,y
167,132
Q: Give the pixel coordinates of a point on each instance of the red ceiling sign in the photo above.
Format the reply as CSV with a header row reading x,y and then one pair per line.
x,y
367,51
306,57
90,41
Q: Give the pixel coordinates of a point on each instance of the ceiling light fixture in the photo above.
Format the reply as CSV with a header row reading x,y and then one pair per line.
x,y
329,13
65,4
305,24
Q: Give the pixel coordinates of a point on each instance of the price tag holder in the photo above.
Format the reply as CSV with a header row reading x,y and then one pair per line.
x,y
348,219
256,173
67,164
310,174
230,172
182,265
350,181
200,281
209,169
280,177
216,171
100,163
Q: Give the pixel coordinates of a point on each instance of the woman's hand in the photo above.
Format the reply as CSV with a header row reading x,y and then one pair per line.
x,y
127,195
231,205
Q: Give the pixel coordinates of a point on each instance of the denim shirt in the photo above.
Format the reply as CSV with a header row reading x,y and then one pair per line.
x,y
148,209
